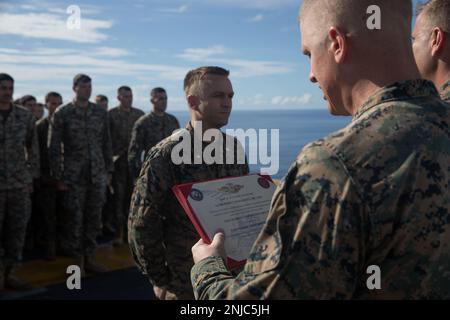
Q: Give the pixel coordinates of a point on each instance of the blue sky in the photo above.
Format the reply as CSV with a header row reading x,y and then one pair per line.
x,y
152,43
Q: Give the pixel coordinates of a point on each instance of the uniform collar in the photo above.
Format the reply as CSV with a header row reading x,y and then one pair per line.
x,y
445,91
399,91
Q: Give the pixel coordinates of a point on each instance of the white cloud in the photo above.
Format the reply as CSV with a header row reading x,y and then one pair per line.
x,y
202,54
180,9
257,4
52,26
292,100
53,64
257,18
240,68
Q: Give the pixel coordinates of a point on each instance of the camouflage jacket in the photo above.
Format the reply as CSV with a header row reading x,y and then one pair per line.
x,y
120,126
160,233
19,152
374,193
445,92
84,135
147,132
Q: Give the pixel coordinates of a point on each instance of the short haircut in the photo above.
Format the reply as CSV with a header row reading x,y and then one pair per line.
x,y
6,77
196,75
81,78
352,14
123,88
437,13
26,98
101,97
52,94
157,90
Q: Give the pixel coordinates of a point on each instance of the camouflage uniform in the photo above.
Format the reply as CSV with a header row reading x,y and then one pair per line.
x,y
19,165
121,124
147,132
374,193
160,233
87,159
445,92
46,191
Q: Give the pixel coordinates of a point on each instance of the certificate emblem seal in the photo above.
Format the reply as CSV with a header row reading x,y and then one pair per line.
x,y
196,195
264,183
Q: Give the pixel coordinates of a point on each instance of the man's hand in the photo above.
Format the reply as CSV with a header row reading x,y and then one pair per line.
x,y
201,250
61,186
160,293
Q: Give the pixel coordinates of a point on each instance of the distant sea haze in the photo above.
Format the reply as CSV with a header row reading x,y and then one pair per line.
x,y
297,128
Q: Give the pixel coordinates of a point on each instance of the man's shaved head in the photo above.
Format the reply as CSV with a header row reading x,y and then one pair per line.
x,y
349,60
431,41
351,15
435,13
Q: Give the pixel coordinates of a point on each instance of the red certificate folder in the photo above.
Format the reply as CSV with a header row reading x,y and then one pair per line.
x,y
182,192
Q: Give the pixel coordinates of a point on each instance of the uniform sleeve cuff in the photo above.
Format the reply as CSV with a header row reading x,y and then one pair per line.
x,y
206,268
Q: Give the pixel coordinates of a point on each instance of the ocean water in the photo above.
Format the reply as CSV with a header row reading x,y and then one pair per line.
x,y
296,129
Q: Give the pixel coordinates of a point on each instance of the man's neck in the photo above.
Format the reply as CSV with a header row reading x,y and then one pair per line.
x,y
442,77
5,105
125,108
158,113
197,124
363,89
81,103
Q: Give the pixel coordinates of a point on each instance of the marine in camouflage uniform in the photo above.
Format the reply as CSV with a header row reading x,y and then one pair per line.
x,y
147,132
374,193
121,122
19,165
160,233
150,129
87,160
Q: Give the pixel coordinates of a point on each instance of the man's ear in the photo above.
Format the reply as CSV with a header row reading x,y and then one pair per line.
x,y
193,102
437,41
338,44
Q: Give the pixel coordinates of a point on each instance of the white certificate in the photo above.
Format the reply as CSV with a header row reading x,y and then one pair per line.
x,y
239,206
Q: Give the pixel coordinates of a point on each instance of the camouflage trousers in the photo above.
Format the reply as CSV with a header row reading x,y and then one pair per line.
x,y
83,204
122,193
15,208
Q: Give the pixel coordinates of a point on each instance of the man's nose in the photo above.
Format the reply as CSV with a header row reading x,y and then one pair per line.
x,y
312,78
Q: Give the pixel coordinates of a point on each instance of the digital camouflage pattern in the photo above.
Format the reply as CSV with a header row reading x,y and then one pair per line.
x,y
160,233
121,124
19,165
147,132
19,154
84,134
13,225
445,91
374,193
86,141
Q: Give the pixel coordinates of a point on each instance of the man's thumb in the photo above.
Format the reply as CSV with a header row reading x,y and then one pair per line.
x,y
218,240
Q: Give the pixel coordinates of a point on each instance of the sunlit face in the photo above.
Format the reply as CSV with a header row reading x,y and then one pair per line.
x,y
83,90
323,68
422,48
6,91
215,100
53,103
159,101
126,98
